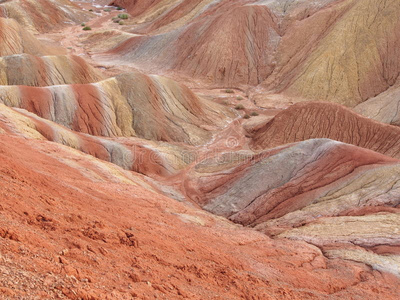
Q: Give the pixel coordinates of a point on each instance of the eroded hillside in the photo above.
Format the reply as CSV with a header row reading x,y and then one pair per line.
x,y
199,149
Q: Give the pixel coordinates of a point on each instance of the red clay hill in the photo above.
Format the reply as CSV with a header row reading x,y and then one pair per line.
x,y
170,149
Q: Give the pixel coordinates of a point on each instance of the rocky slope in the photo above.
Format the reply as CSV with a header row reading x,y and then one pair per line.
x,y
61,239
315,198
131,104
142,156
219,42
310,120
384,107
120,184
29,70
15,40
138,7
219,182
225,45
42,15
358,37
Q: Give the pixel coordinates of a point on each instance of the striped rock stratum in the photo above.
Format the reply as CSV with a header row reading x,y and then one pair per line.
x,y
199,149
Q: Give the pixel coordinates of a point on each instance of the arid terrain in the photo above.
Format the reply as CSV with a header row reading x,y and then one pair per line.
x,y
200,149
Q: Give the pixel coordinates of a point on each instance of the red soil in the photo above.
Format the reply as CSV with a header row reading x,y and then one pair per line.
x,y
74,227
135,7
66,234
308,120
231,45
37,101
89,116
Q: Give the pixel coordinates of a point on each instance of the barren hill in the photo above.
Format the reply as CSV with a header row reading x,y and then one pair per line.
x,y
226,46
350,53
310,120
42,15
168,149
61,239
131,104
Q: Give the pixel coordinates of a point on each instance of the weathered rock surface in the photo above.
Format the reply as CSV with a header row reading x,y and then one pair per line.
x,y
324,192
350,54
138,7
59,233
131,104
43,15
227,43
324,177
25,69
384,107
310,120
15,40
372,239
341,230
90,160
146,157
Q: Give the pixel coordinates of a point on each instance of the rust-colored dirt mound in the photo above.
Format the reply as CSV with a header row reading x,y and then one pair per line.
x,y
136,7
310,120
60,238
132,104
25,69
142,156
351,53
294,186
43,15
229,46
15,40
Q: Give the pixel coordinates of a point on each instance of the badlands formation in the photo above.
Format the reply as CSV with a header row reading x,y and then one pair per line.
x,y
200,149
